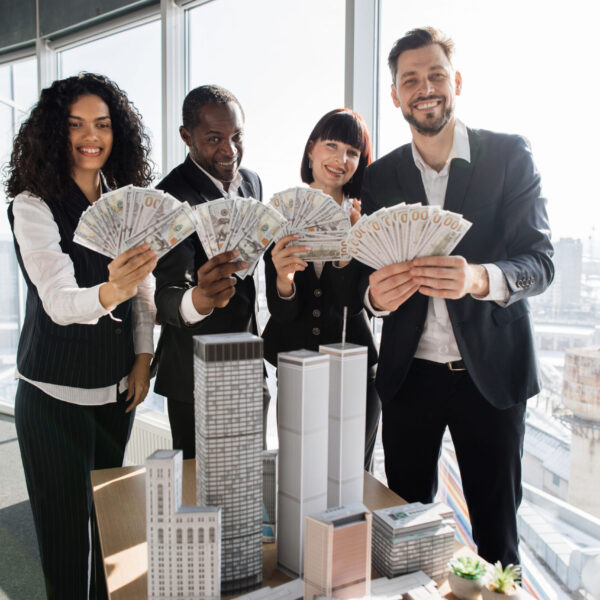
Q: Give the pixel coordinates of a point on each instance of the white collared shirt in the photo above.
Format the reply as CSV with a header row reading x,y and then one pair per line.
x,y
438,342
53,274
187,310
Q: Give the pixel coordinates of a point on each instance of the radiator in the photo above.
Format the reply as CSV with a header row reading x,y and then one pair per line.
x,y
150,432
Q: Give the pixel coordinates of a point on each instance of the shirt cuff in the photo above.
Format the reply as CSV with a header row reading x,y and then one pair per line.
x,y
188,311
498,291
375,313
291,296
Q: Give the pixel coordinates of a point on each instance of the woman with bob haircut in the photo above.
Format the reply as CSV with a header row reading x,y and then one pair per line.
x,y
85,347
306,308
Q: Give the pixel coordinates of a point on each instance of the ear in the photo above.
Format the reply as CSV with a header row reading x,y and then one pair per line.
x,y
186,136
458,82
394,94
311,145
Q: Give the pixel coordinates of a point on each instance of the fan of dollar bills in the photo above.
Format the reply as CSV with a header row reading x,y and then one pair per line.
x,y
130,216
242,224
317,218
403,232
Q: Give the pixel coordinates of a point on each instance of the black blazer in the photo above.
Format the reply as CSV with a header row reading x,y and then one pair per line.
x,y
176,273
315,315
499,191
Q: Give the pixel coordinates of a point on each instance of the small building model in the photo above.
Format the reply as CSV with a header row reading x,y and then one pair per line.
x,y
337,553
292,590
184,542
303,387
228,378
347,405
269,527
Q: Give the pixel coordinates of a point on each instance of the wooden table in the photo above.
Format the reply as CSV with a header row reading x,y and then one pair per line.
x,y
120,502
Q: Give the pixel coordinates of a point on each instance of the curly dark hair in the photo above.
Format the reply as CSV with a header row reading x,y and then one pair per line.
x,y
41,159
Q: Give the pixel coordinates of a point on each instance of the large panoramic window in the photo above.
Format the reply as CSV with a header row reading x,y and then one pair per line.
x,y
131,58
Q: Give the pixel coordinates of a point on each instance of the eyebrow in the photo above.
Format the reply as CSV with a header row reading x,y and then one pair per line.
x,y
82,119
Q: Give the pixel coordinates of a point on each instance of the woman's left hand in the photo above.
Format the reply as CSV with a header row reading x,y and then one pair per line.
x,y
355,210
139,380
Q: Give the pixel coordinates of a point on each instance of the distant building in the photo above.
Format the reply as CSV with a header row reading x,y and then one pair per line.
x,y
347,406
184,542
303,388
568,260
337,553
228,376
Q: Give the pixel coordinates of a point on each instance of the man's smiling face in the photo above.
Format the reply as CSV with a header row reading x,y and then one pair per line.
x,y
425,89
216,142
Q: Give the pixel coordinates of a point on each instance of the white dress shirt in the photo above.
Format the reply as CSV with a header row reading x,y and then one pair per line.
x,y
53,274
187,310
437,341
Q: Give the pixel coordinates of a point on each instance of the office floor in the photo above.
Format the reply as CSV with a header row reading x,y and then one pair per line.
x,y
20,571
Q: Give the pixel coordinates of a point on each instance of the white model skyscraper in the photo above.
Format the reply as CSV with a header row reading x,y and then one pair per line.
x,y
347,404
303,387
184,542
228,375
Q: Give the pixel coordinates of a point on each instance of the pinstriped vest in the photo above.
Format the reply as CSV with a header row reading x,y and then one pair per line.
x,y
86,356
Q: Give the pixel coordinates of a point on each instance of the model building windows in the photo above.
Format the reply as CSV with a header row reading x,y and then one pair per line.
x,y
179,537
160,503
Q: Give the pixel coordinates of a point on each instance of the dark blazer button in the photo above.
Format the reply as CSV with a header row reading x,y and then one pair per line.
x,y
316,313
118,330
316,331
318,292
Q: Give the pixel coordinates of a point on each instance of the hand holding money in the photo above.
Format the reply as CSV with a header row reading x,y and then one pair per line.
x,y
125,273
449,277
391,286
286,263
216,286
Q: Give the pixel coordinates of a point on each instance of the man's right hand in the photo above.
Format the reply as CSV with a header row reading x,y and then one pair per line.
x,y
216,284
391,286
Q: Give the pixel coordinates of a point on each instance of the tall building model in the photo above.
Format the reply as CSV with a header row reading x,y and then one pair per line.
x,y
337,553
303,387
347,403
269,458
184,542
228,376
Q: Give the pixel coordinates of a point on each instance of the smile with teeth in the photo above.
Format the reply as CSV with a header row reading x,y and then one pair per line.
x,y
89,150
334,171
427,105
227,164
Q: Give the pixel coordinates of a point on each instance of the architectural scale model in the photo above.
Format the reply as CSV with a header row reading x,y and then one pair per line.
x,y
269,526
292,590
184,542
337,553
228,376
347,404
413,537
303,387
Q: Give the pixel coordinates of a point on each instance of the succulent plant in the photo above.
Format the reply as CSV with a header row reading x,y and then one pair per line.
x,y
467,567
504,580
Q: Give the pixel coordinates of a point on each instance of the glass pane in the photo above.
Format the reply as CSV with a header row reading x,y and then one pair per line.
x,y
132,60
26,92
285,66
5,87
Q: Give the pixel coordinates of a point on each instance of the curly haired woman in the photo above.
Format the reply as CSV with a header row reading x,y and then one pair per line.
x,y
86,343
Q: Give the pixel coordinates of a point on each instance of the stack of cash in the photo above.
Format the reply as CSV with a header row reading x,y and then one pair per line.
x,y
403,232
130,216
317,218
413,537
243,224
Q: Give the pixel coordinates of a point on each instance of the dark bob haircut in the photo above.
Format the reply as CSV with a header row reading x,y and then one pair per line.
x,y
41,159
342,125
419,38
198,97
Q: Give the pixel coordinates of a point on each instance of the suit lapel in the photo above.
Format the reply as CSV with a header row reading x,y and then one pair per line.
x,y
409,178
199,182
460,178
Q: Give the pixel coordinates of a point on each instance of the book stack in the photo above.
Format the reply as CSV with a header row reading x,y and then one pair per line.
x,y
413,537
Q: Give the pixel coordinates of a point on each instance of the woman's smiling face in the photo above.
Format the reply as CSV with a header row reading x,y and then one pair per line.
x,y
333,163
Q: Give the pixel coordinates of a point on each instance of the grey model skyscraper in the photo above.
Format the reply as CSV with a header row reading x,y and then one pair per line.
x,y
184,542
303,387
347,404
337,553
228,375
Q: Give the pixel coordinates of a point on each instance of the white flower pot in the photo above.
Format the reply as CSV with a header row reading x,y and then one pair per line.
x,y
465,589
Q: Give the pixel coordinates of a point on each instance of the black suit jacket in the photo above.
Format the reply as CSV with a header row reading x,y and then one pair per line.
x,y
499,191
176,273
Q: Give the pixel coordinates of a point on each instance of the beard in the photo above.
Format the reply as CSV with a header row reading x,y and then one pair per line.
x,y
431,126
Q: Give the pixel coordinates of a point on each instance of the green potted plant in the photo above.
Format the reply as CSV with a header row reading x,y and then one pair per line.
x,y
503,583
466,577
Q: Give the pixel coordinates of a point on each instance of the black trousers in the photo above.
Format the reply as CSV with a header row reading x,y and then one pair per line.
x,y
183,423
488,443
60,443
